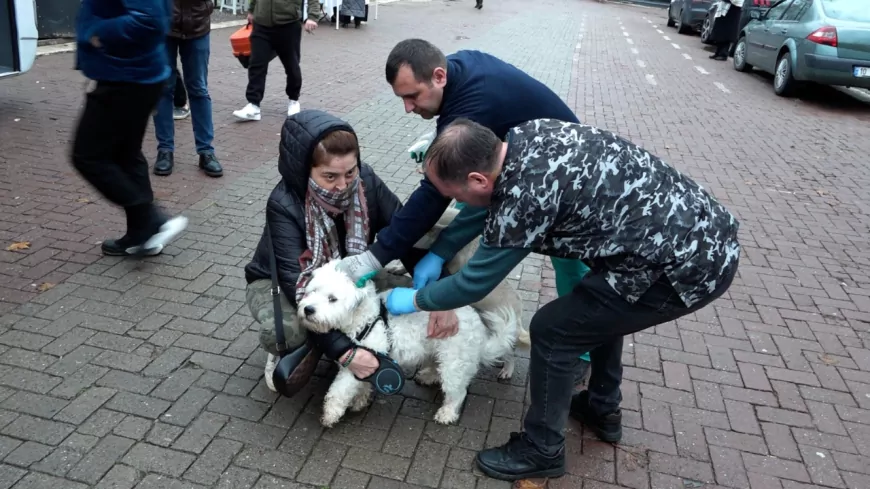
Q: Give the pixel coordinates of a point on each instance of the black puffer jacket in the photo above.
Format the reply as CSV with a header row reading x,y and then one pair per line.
x,y
285,209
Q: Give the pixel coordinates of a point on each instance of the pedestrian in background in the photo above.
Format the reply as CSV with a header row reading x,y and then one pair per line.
x,y
726,21
190,39
277,29
121,46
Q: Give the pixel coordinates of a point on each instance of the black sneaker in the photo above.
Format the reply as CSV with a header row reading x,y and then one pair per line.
x,y
148,243
520,459
164,163
210,165
607,428
127,246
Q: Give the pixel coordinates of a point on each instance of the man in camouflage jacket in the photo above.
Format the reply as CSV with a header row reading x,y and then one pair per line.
x,y
659,247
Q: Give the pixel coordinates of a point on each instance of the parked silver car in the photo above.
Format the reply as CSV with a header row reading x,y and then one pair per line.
x,y
798,41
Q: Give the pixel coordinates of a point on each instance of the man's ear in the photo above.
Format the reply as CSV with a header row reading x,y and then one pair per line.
x,y
477,180
439,77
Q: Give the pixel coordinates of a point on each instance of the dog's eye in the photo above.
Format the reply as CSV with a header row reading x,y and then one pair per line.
x,y
332,298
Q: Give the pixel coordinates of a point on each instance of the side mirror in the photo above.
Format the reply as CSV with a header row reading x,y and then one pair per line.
x,y
755,15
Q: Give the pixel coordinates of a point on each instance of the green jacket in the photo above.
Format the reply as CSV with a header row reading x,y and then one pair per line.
x,y
270,13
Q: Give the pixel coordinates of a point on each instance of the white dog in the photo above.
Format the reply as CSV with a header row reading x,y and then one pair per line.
x,y
332,301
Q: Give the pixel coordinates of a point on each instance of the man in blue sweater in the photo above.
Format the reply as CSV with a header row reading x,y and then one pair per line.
x,y
121,46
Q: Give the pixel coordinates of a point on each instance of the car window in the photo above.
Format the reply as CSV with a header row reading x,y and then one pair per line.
x,y
796,11
776,11
854,10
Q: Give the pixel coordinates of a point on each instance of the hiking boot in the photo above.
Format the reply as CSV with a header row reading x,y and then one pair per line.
x,y
607,427
520,459
210,165
164,163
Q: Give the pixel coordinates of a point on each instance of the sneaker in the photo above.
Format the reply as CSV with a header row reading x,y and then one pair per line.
x,y
249,112
519,459
164,163
607,428
168,231
125,246
179,113
271,364
293,108
210,165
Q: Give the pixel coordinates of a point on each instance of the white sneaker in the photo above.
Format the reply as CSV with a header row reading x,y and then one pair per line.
x,y
249,112
271,364
293,108
167,232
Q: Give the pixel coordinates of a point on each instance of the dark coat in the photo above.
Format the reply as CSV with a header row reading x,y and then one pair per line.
x,y
191,18
285,209
725,28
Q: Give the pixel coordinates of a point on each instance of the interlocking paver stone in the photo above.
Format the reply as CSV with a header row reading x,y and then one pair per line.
x,y
147,374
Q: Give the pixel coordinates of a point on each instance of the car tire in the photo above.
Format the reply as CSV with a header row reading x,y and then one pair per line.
x,y
706,29
784,83
740,63
671,22
682,26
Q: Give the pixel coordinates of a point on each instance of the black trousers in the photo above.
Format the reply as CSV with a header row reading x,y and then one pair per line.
x,y
593,318
179,99
107,150
283,40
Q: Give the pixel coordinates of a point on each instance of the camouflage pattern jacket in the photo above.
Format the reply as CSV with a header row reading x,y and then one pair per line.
x,y
575,191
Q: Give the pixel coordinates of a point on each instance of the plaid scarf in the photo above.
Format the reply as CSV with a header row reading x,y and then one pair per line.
x,y
322,235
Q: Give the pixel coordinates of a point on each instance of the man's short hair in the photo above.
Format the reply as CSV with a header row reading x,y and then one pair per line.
x,y
463,147
421,56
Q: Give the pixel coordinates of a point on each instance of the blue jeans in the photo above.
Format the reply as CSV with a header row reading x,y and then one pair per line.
x,y
194,65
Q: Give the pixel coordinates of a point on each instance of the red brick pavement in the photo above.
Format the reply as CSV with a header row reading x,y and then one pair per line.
x,y
148,374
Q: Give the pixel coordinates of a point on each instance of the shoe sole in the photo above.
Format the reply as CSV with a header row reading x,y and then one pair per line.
x,y
168,231
602,435
163,173
245,118
213,174
135,251
540,474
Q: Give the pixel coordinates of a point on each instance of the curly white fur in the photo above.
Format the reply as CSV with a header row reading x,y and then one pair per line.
x,y
332,301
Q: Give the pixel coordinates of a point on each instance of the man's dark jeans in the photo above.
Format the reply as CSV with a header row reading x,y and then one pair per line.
x,y
593,318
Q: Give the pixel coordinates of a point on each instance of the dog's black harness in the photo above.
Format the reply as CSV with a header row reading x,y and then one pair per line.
x,y
381,317
388,379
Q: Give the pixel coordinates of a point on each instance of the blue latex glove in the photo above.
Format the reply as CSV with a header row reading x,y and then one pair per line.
x,y
401,301
428,270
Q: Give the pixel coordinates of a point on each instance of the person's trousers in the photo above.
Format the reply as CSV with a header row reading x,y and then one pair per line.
x,y
107,149
594,318
722,49
179,99
285,41
194,54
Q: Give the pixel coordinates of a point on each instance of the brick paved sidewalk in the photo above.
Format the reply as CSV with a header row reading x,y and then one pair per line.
x,y
147,374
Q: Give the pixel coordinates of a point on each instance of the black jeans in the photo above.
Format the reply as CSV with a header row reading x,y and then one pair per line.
x,y
107,150
179,98
283,40
722,49
593,318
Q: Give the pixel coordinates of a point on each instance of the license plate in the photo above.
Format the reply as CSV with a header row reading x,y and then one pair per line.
x,y
862,72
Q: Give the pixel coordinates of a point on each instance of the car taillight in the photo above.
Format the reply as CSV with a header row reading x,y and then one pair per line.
x,y
824,35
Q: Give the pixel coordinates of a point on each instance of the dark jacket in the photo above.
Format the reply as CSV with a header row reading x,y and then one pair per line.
x,y
270,13
484,89
132,34
285,209
191,18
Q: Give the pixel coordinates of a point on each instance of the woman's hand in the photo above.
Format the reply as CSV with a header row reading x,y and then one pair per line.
x,y
442,324
363,365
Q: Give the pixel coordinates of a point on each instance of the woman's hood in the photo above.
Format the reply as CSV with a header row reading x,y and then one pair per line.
x,y
299,136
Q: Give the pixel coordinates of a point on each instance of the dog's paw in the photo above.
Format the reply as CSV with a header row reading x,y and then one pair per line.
x,y
446,415
506,372
427,377
361,401
328,420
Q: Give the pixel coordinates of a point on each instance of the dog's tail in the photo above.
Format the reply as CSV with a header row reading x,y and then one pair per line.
x,y
504,328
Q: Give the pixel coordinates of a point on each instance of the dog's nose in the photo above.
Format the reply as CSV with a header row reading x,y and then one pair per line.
x,y
309,310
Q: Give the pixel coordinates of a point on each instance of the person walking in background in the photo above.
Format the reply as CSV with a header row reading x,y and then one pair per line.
x,y
189,38
180,108
107,149
726,21
277,29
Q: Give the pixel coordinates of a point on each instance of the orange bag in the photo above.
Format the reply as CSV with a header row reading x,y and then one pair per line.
x,y
241,44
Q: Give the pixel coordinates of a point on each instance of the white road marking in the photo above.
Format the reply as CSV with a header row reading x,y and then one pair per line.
x,y
641,64
660,31
655,26
686,55
675,45
634,51
652,80
666,38
578,45
625,34
630,41
702,70
722,87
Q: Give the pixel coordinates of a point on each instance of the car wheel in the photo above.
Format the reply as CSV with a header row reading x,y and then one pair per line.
x,y
784,83
682,26
740,63
706,29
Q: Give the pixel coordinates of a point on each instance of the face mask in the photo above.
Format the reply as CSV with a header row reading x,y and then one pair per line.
x,y
339,199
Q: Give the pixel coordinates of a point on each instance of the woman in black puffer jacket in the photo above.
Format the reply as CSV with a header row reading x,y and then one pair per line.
x,y
328,204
